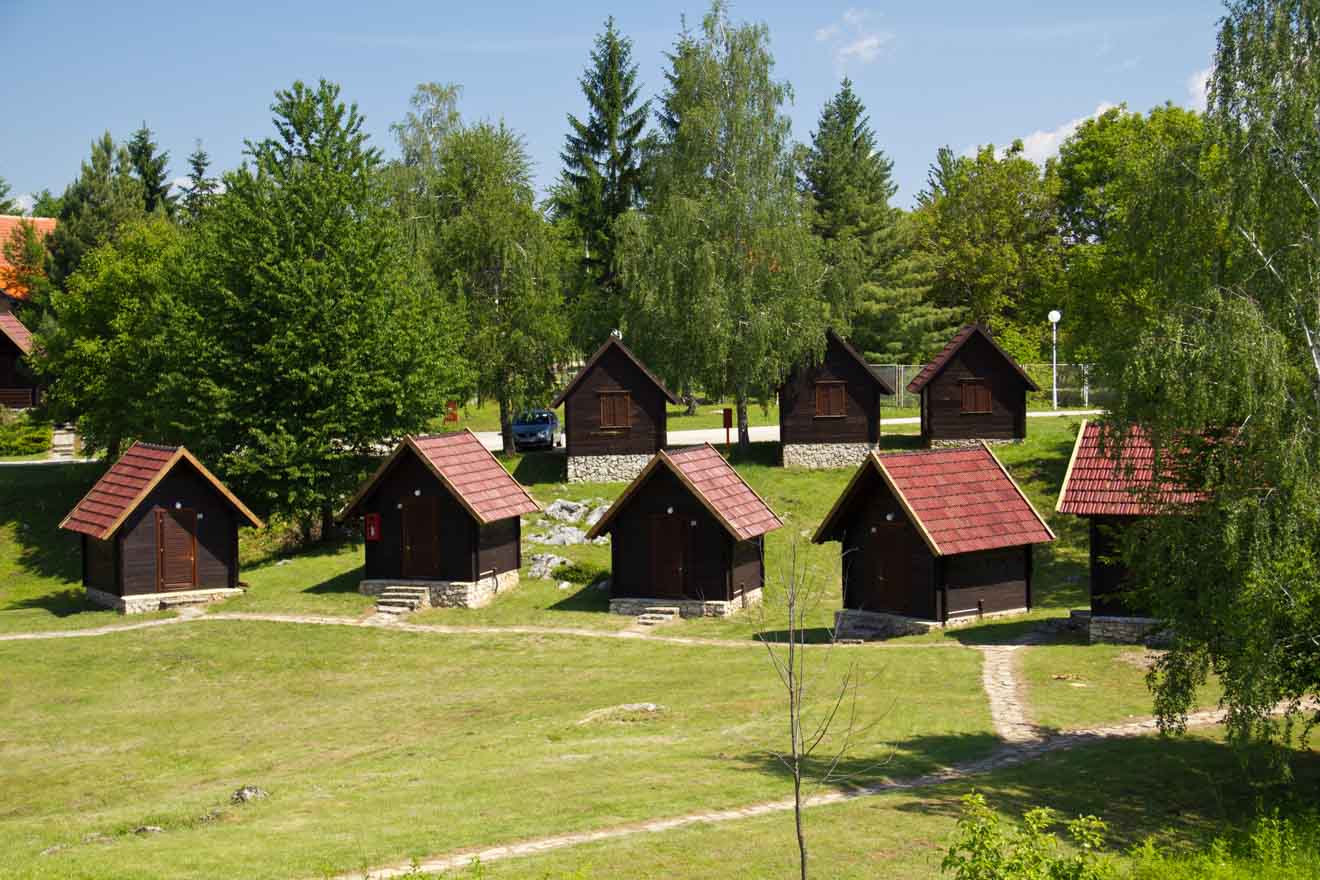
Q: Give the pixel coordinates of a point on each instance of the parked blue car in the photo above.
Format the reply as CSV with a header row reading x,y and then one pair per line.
x,y
536,429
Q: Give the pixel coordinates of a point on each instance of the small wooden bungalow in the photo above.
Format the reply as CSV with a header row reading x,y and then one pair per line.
x,y
972,391
614,416
18,390
442,515
829,412
158,529
931,539
1109,481
687,534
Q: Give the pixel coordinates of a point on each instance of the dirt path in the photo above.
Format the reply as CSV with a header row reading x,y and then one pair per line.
x,y
1001,678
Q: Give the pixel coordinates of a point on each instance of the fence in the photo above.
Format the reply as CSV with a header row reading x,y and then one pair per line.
x,y
1075,388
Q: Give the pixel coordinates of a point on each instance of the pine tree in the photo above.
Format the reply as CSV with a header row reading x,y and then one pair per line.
x,y
603,173
94,207
7,205
200,189
152,168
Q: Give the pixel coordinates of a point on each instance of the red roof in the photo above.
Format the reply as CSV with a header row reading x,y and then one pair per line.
x,y
468,470
932,369
613,342
121,489
714,483
1113,475
8,223
13,328
960,500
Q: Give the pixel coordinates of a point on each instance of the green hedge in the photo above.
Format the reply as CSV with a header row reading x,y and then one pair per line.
x,y
21,435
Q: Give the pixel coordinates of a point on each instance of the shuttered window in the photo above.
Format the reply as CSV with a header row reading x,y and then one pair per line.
x,y
615,409
830,400
975,396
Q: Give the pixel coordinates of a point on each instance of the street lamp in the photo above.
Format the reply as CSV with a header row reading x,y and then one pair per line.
x,y
1054,317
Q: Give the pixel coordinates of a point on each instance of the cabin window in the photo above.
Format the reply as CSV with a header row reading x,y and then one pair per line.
x,y
830,400
615,409
975,396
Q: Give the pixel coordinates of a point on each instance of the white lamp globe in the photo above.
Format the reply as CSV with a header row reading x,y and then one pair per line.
x,y
1055,315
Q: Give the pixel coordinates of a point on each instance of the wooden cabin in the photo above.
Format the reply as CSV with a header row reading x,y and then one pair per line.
x,y
687,534
441,515
972,391
614,416
930,539
158,529
1109,481
829,412
18,390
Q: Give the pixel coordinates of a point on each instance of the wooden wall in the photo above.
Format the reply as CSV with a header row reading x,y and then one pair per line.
x,y
890,569
500,546
458,530
942,417
217,534
709,548
614,371
798,422
987,581
100,569
1109,579
748,567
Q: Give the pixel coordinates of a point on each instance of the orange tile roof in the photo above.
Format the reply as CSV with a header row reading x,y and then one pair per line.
x,y
121,489
13,329
1113,475
960,500
468,470
8,223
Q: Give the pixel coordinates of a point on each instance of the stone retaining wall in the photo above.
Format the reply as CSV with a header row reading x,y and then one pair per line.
x,y
631,607
450,594
868,625
824,455
605,468
146,602
957,444
1126,631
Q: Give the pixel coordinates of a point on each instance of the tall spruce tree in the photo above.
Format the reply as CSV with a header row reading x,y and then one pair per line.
x,y
603,173
152,168
7,204
105,197
201,188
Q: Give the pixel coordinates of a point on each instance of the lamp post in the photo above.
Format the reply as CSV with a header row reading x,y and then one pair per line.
x,y
1054,317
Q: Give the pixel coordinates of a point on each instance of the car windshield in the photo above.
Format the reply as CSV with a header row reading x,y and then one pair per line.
x,y
535,418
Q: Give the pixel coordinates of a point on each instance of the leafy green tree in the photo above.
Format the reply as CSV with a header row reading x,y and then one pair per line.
x,y
1226,382
498,259
727,287
411,179
201,189
318,334
105,197
603,175
152,169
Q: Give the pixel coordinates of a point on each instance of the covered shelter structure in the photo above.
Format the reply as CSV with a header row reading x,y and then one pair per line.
x,y
929,539
829,411
972,391
158,530
441,520
687,537
1111,481
614,416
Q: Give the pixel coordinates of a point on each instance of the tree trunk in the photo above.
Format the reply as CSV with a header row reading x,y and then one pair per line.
x,y
327,521
690,400
506,425
744,433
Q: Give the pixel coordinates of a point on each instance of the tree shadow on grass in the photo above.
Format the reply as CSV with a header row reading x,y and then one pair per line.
x,y
63,603
878,764
540,467
588,598
34,499
818,635
345,582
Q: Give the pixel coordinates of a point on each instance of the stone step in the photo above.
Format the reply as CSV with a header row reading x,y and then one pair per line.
x,y
671,610
654,619
409,603
391,609
405,597
182,601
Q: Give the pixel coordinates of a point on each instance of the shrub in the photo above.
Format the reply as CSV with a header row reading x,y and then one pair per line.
x,y
986,850
20,434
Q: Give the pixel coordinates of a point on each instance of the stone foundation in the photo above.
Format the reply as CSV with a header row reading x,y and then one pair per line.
x,y
1126,631
450,594
605,468
631,607
852,624
146,602
824,455
977,441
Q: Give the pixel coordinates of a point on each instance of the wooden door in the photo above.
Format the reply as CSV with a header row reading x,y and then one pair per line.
x,y
421,538
176,549
892,567
669,556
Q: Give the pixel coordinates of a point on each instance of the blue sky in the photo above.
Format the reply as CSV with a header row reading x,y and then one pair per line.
x,y
931,74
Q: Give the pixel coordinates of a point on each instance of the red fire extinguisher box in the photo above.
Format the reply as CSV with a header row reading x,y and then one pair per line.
x,y
371,526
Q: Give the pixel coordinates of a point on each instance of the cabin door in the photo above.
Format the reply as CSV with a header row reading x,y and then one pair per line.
x,y
892,568
421,538
176,549
669,556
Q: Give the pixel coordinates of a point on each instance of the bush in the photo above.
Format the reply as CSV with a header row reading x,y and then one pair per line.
x,y
1273,848
22,435
986,850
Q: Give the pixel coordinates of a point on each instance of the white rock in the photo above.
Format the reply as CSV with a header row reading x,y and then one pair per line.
x,y
565,585
566,511
544,564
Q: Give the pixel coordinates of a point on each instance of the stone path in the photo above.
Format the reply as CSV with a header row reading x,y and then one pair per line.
x,y
1004,692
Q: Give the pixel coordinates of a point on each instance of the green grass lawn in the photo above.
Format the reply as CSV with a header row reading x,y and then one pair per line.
x,y
378,745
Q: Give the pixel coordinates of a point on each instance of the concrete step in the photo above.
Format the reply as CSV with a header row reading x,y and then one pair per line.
x,y
410,603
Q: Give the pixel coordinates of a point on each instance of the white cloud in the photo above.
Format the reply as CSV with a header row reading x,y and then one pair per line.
x,y
1041,145
25,202
1198,87
854,39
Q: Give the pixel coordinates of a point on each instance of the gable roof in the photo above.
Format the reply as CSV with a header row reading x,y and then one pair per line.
x,y
613,342
941,360
856,356
129,481
713,482
8,223
1113,475
467,469
960,500
13,329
